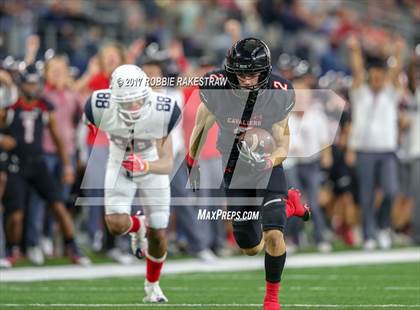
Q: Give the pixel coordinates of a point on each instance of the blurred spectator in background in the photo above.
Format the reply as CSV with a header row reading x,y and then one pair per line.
x,y
211,235
411,142
8,90
8,95
309,135
332,59
25,121
374,138
232,33
68,110
345,217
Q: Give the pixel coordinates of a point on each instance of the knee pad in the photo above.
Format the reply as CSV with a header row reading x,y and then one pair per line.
x,y
273,211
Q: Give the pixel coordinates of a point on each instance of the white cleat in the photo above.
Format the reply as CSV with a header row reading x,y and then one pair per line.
x,y
207,256
369,245
138,239
324,247
47,247
35,255
120,257
154,293
5,264
384,239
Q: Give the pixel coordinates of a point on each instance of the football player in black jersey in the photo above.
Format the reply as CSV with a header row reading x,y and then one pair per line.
x,y
252,98
25,121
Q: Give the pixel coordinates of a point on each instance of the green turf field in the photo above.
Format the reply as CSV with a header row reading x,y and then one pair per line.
x,y
393,286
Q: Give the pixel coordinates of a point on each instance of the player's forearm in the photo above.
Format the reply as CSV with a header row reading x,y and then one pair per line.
x,y
204,121
198,137
279,155
281,134
161,166
62,153
356,64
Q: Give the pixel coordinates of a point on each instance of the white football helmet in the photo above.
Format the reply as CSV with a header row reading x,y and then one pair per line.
x,y
130,91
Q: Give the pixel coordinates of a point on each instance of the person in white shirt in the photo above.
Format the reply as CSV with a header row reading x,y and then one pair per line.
x,y
413,143
374,138
309,151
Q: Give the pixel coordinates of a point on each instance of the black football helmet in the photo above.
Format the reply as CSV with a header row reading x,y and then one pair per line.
x,y
248,56
27,76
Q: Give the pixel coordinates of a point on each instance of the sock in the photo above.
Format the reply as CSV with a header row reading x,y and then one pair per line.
x,y
135,224
12,248
10,245
153,267
290,209
273,269
69,242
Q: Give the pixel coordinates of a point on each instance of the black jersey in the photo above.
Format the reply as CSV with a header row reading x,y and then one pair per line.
x,y
26,122
236,111
272,105
4,157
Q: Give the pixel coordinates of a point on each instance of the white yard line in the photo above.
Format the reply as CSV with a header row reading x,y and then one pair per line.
x,y
10,287
116,306
72,272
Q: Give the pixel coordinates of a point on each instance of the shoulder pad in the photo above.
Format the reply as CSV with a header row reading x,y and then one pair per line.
x,y
215,74
278,82
97,104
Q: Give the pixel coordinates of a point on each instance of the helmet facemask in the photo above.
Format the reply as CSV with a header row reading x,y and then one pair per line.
x,y
232,76
134,111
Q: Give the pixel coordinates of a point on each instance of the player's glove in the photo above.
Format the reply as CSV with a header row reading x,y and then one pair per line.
x,y
135,165
193,172
255,160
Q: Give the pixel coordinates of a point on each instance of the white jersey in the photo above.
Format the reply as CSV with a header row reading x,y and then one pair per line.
x,y
140,136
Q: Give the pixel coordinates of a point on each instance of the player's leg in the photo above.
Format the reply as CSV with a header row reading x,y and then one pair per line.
x,y
43,182
14,204
119,194
274,222
248,234
156,201
4,263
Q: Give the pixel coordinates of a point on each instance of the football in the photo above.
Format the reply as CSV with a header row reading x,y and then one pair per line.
x,y
259,140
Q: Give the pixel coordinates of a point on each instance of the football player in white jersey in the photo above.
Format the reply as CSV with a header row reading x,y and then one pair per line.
x,y
138,122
